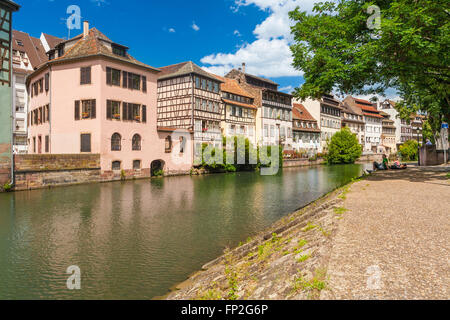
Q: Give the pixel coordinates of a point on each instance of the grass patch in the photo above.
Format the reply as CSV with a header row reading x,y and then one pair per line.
x,y
340,211
303,258
309,227
312,287
266,249
298,249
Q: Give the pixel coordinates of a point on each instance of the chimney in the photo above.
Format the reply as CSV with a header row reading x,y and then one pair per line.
x,y
85,29
243,67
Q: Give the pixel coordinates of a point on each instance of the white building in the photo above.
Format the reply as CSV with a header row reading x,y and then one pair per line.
x,y
306,131
328,109
373,124
27,54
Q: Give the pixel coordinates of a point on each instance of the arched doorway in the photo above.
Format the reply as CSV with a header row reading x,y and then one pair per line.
x,y
157,168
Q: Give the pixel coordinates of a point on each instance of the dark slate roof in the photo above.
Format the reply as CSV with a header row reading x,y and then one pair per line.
x,y
182,69
262,79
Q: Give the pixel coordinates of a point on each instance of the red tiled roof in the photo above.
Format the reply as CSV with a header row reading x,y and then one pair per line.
x,y
232,86
373,115
299,112
92,45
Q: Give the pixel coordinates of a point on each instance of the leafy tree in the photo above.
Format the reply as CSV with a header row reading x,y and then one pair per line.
x,y
410,52
409,150
343,148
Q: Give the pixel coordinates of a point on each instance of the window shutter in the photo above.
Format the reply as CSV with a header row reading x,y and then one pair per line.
x,y
144,114
48,113
125,79
85,143
108,76
88,75
93,109
108,110
130,112
125,111
44,118
77,110
47,81
144,84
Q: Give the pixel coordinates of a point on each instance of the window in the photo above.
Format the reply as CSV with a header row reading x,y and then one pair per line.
x,y
137,165
85,75
34,144
136,142
120,51
134,81
112,110
85,142
272,131
168,146
266,130
87,108
116,142
204,84
136,112
115,166
113,77
197,82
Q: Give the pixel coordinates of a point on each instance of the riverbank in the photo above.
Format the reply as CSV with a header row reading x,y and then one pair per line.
x,y
369,239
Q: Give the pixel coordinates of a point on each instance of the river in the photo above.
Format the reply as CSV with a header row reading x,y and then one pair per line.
x,y
136,239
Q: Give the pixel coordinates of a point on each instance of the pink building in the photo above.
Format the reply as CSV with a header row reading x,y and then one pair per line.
x,y
93,97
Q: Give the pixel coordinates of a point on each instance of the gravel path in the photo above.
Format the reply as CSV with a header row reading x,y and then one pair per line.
x,y
394,242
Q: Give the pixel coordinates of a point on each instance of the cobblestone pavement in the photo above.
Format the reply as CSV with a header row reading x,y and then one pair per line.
x,y
394,240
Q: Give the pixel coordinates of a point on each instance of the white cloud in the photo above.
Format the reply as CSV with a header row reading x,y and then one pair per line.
x,y
195,27
237,33
269,55
172,30
287,89
268,58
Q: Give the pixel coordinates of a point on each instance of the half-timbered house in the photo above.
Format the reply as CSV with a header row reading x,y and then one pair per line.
x,y
189,98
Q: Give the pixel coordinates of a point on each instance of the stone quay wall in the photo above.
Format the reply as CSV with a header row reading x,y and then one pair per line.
x,y
301,163
40,171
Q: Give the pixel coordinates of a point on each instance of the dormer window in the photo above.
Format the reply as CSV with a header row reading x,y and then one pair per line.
x,y
19,43
60,51
120,51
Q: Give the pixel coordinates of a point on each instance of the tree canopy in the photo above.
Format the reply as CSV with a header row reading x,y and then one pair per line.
x,y
343,148
409,51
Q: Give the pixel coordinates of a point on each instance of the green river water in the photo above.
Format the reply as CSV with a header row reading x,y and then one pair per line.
x,y
135,240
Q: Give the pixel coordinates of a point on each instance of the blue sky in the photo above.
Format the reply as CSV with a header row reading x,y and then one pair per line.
x,y
216,34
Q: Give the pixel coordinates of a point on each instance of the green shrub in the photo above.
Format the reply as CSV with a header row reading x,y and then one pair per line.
x,y
7,187
159,173
343,148
409,151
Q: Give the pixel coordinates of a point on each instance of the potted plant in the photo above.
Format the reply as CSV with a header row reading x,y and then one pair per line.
x,y
85,115
116,116
137,118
